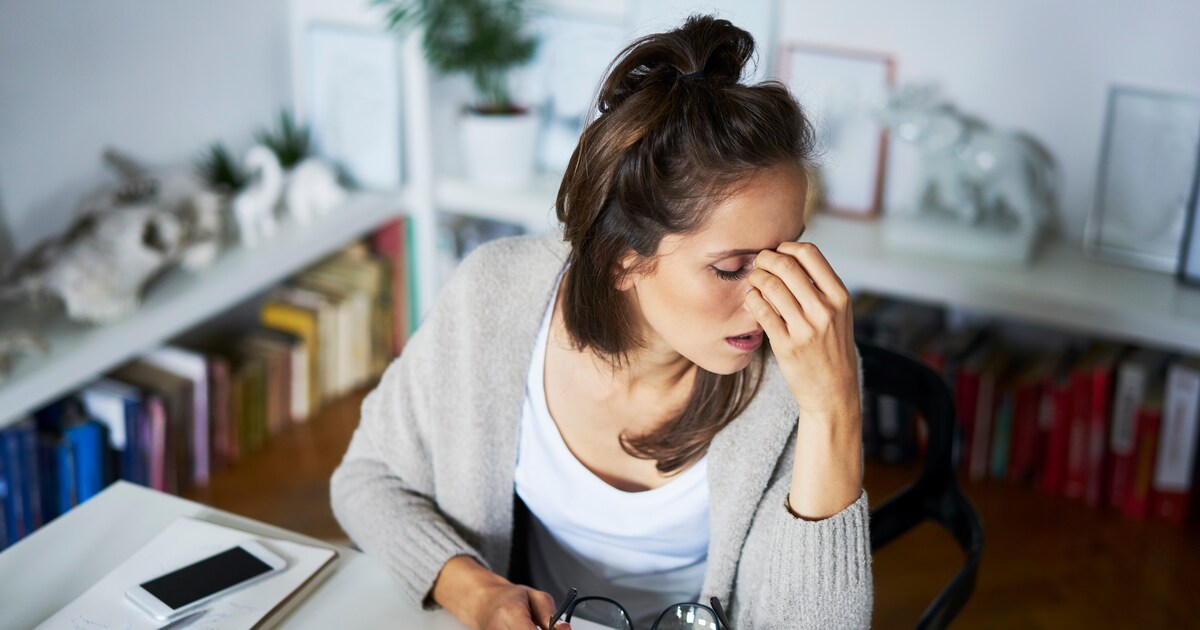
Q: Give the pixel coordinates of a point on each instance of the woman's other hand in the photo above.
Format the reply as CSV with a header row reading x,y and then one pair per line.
x,y
486,601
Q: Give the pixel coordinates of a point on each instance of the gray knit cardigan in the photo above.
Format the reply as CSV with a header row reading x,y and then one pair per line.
x,y
429,471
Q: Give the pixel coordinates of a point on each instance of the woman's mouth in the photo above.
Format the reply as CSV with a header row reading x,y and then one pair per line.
x,y
747,342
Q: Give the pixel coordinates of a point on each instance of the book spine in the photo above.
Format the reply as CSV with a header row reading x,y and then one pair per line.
x,y
1136,502
1075,477
1100,413
1177,447
1059,401
1127,397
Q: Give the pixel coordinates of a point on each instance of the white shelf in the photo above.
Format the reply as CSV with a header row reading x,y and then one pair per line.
x,y
532,206
1061,288
176,302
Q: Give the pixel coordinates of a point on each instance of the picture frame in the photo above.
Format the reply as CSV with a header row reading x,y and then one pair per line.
x,y
1145,178
1188,271
354,104
839,90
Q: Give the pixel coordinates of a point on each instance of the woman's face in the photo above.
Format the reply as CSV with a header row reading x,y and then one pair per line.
x,y
691,303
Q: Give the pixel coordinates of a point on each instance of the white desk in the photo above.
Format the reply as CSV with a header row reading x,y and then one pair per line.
x,y
48,569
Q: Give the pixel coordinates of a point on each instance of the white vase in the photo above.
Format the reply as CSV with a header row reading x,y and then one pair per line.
x,y
499,149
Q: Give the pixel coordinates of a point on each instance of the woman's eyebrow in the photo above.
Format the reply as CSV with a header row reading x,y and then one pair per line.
x,y
745,252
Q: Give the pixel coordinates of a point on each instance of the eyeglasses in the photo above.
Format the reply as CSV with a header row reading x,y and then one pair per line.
x,y
602,612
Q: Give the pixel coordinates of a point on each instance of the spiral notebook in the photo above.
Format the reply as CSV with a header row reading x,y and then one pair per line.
x,y
184,541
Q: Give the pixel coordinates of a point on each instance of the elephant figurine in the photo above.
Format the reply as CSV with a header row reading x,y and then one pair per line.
x,y
994,179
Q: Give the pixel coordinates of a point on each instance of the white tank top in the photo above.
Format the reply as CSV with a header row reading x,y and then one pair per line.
x,y
646,550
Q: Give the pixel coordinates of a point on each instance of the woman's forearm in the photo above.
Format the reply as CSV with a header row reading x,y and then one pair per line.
x,y
827,473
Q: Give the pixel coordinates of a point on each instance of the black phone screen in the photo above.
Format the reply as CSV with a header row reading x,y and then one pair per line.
x,y
210,575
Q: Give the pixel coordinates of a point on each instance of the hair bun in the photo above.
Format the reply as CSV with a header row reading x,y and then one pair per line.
x,y
704,50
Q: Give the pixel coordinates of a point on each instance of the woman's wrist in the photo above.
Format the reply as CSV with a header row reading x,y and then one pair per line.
x,y
460,583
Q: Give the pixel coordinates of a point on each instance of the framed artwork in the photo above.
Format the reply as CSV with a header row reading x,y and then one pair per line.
x,y
1146,175
839,90
354,102
1189,255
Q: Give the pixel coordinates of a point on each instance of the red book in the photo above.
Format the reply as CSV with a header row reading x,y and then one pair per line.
x,y
390,241
1175,466
1027,406
1058,403
1133,378
1136,499
1088,419
987,399
966,401
1100,388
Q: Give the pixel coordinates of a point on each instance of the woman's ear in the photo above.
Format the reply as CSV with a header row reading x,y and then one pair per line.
x,y
624,271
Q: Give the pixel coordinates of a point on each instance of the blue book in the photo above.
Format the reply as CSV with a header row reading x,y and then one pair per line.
x,y
57,465
89,441
119,407
18,447
4,492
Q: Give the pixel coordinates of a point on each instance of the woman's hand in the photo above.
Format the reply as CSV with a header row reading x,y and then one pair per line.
x,y
805,310
486,601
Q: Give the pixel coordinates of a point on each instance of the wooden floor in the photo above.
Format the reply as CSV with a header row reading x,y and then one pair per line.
x,y
1047,563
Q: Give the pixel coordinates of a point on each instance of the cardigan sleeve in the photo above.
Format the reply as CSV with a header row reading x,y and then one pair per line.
x,y
818,573
386,505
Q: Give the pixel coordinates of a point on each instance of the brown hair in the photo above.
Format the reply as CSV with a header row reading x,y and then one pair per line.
x,y
676,132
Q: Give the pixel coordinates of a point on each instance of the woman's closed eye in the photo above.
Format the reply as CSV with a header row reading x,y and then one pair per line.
x,y
734,275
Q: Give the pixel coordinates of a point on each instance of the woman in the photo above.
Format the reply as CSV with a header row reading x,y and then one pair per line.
x,y
611,390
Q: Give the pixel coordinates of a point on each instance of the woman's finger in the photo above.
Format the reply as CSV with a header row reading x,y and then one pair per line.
x,y
542,606
762,311
818,268
779,295
793,274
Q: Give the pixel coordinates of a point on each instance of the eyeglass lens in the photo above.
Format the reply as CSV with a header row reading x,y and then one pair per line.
x,y
597,614
686,617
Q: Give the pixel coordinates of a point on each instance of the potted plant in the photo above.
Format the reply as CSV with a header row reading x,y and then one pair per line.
x,y
485,40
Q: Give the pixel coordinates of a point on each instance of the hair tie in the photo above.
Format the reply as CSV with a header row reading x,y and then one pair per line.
x,y
695,76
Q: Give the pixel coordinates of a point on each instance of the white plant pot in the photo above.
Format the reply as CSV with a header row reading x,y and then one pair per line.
x,y
499,149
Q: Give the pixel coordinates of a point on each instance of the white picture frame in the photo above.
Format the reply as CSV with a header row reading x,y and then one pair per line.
x,y
840,91
1188,271
354,103
1147,167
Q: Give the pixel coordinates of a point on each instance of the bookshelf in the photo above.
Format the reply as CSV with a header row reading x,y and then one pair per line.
x,y
176,302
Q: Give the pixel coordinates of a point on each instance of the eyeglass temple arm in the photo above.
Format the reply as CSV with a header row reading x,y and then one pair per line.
x,y
571,595
721,618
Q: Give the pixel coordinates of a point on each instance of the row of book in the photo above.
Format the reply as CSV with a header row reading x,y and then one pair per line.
x,y
1109,424
172,416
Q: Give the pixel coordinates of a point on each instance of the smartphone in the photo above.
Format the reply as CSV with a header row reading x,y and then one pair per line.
x,y
169,596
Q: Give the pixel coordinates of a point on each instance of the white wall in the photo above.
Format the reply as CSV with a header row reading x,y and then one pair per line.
x,y
159,79
1037,66
163,79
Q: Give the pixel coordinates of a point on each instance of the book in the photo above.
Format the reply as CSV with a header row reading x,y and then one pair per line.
x,y
1027,417
276,356
176,398
1136,503
1091,383
306,315
990,376
945,352
23,505
1133,378
224,445
194,367
119,407
391,242
184,541
1057,413
1174,472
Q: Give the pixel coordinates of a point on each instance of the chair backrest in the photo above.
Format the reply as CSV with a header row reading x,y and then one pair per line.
x,y
935,494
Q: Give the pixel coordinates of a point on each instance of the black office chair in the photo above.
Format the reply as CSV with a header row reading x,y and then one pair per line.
x,y
935,494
